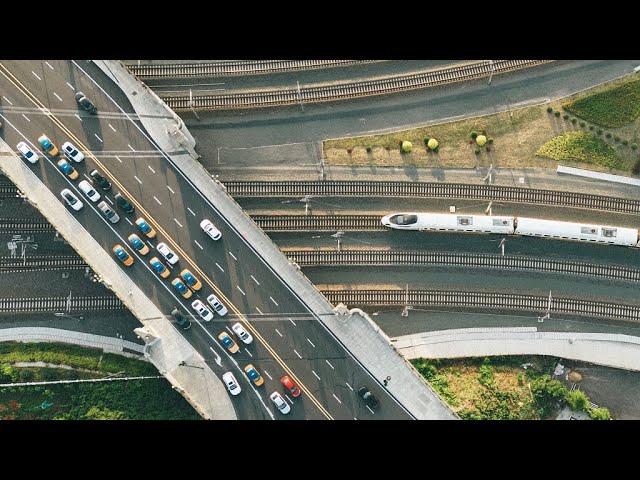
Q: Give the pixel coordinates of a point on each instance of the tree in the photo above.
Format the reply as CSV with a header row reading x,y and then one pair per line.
x,y
96,413
600,414
432,144
481,140
578,400
406,146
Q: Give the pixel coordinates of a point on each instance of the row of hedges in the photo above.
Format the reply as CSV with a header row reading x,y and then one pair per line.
x,y
581,146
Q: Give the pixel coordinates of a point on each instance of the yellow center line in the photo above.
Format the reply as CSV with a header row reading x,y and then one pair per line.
x,y
47,112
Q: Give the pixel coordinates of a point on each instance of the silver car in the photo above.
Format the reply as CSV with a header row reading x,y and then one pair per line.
x,y
280,403
108,212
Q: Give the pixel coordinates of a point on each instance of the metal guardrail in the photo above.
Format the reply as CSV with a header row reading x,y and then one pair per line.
x,y
324,93
347,188
308,258
481,300
245,67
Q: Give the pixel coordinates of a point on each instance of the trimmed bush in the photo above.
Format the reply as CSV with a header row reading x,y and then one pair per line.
x,y
557,114
406,146
608,135
574,120
432,144
481,140
591,127
599,131
426,140
625,142
473,134
565,116
349,150
583,147
477,151
489,139
549,109
582,124
369,149
578,401
600,414
616,138
387,148
634,146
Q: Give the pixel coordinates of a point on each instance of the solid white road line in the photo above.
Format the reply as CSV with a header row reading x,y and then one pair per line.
x,y
132,149
159,202
274,301
259,311
151,168
118,158
311,343
294,323
254,279
196,242
128,221
221,269
334,396
111,127
350,387
77,116
26,118
71,86
191,211
170,189
315,374
98,137
240,290
139,181
175,220
7,100
250,354
234,257
267,374
299,356
36,75
48,65
329,363
278,332
370,409
57,96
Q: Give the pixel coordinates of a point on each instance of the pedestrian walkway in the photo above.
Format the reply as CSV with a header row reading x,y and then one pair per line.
x,y
166,348
351,328
608,349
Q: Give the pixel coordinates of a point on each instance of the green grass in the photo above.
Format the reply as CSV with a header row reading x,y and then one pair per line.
x,y
581,146
612,108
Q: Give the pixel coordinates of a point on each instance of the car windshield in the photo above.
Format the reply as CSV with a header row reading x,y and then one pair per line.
x,y
28,154
226,340
144,227
136,242
158,266
121,254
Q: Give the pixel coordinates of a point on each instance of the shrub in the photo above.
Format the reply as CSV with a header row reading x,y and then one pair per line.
x,y
387,148
616,138
625,142
557,114
426,140
578,401
574,120
481,140
634,146
549,109
488,149
565,116
608,135
600,414
436,150
591,127
582,124
477,151
369,149
473,134
433,143
406,146
349,150
26,375
599,131
489,139
583,147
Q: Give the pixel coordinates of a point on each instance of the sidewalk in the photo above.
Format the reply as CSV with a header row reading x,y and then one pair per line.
x,y
611,350
354,331
165,348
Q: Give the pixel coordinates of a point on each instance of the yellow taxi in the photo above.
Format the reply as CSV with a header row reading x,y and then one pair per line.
x,y
138,244
192,281
159,267
253,375
144,226
181,287
122,254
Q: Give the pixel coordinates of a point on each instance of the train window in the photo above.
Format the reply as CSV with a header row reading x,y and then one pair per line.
x,y
465,220
589,231
499,222
404,219
609,232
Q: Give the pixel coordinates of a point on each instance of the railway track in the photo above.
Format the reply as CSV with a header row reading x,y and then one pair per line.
x,y
342,91
243,67
8,190
44,263
310,258
59,304
480,300
10,225
345,188
318,223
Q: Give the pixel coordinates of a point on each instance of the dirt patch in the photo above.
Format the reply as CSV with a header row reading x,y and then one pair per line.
x,y
575,376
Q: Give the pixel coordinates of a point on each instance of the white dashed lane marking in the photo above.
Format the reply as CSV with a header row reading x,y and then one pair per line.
x,y
48,65
170,189
311,343
159,202
259,311
246,350
71,86
128,221
254,279
98,138
196,242
175,220
221,269
151,168
114,130
350,387
191,211
132,149
278,332
26,118
36,75
240,290
299,356
267,374
234,257
315,374
57,96
370,409
294,323
118,158
77,116
334,396
329,363
109,200
276,303
139,181
7,100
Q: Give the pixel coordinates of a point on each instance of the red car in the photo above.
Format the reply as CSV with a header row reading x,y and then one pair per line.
x,y
289,385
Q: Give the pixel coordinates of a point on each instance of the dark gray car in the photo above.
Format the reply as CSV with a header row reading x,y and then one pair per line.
x,y
369,398
180,318
86,103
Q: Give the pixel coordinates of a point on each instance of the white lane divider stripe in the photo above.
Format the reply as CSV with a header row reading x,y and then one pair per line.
x,y
175,220
170,189
294,323
151,168
311,343
132,149
71,86
139,181
26,118
267,374
159,202
128,221
350,387
118,158
234,257
278,332
299,356
274,301
36,75
8,101
254,279
77,116
221,269
57,96
110,201
334,396
111,127
315,374
329,363
98,137
259,311
240,290
196,242
191,211
370,409
246,350
48,65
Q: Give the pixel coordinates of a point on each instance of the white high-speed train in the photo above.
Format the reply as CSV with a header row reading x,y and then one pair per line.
x,y
535,227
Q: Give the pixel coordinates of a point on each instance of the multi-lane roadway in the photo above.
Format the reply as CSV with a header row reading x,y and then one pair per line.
x,y
38,97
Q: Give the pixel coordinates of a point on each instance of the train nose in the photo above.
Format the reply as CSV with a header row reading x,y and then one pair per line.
x,y
385,221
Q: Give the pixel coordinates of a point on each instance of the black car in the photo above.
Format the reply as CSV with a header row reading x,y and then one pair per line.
x,y
100,180
369,398
86,103
180,318
124,204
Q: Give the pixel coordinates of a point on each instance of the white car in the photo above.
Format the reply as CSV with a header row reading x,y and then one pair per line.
x,y
217,305
88,190
167,253
280,403
231,383
27,153
245,336
201,310
210,229
71,199
72,152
